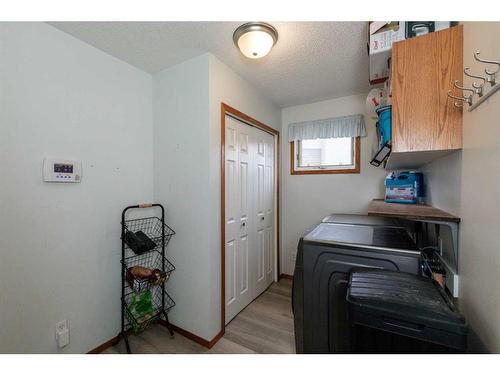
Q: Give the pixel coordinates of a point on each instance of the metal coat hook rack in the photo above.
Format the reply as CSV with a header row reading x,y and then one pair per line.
x,y
478,88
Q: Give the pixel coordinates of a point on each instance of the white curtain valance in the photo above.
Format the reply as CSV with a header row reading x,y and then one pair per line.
x,y
335,127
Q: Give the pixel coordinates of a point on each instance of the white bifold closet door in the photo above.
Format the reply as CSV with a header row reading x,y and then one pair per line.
x,y
249,207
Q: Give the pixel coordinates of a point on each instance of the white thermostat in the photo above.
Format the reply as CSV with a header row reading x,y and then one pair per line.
x,y
58,170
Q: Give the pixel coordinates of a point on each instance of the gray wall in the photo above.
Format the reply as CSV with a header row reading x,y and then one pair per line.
x,y
228,87
60,243
181,183
467,184
308,198
187,101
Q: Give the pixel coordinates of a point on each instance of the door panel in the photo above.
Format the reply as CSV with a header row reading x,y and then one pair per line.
x,y
249,214
244,190
260,144
269,205
237,204
261,244
244,264
231,268
267,263
231,184
259,138
260,189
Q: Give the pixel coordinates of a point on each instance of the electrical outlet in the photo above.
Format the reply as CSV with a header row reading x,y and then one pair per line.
x,y
293,257
62,325
62,333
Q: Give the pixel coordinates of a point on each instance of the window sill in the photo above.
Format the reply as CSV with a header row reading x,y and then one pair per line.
x,y
325,171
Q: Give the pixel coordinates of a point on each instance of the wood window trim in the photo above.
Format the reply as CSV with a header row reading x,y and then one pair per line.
x,y
226,109
356,169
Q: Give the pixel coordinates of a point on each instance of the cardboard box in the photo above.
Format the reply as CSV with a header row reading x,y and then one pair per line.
x,y
374,26
380,48
383,34
382,39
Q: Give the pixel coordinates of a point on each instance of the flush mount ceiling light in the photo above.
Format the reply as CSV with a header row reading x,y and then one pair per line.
x,y
255,39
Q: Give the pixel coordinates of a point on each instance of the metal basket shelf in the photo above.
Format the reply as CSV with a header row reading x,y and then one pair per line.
x,y
160,306
152,227
138,308
152,259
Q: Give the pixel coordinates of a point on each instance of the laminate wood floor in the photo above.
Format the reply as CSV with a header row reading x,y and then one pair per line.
x,y
264,326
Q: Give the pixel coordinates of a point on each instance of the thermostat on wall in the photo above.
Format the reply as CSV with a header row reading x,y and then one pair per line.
x,y
57,170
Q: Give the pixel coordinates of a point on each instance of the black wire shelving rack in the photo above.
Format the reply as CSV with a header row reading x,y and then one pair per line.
x,y
160,233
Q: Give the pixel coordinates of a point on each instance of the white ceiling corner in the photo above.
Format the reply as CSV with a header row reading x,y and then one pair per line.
x,y
311,61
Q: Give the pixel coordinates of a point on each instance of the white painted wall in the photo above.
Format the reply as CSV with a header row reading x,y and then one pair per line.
x,y
225,86
308,198
468,184
60,243
443,182
187,101
181,144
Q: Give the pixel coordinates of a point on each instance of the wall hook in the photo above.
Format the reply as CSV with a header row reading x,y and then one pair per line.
x,y
490,73
466,99
478,87
463,88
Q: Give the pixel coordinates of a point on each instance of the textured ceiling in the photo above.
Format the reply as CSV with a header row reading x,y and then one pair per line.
x,y
311,60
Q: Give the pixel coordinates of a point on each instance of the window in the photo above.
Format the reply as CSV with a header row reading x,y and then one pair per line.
x,y
324,156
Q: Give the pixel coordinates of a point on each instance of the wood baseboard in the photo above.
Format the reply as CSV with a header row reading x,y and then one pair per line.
x,y
197,339
191,336
285,276
187,334
106,345
215,339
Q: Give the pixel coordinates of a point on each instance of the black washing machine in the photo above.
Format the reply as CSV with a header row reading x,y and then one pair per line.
x,y
325,257
354,219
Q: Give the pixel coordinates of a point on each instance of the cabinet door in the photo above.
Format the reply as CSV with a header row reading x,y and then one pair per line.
x,y
423,69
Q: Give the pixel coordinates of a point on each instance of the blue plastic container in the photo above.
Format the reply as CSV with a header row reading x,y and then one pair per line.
x,y
404,187
384,124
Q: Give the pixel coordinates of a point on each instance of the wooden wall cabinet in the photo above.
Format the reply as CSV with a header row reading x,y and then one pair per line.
x,y
425,123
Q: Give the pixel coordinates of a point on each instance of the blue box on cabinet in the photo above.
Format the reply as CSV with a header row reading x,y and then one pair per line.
x,y
404,187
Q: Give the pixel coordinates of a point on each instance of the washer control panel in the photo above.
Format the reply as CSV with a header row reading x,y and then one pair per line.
x,y
59,170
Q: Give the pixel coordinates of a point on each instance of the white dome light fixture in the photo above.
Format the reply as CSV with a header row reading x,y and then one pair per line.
x,y
255,39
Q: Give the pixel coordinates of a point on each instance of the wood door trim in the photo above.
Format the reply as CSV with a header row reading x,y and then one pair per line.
x,y
356,169
226,109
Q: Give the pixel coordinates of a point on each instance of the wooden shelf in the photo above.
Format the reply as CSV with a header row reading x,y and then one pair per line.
x,y
378,207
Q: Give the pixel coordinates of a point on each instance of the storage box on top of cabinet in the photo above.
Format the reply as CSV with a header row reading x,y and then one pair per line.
x,y
425,123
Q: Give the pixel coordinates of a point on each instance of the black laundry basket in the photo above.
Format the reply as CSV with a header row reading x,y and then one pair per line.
x,y
397,312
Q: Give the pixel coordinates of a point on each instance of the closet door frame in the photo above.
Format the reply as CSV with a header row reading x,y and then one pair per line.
x,y
228,110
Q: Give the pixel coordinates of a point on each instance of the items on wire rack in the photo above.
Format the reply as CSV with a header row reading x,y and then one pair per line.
x,y
145,270
141,278
139,242
478,88
432,265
